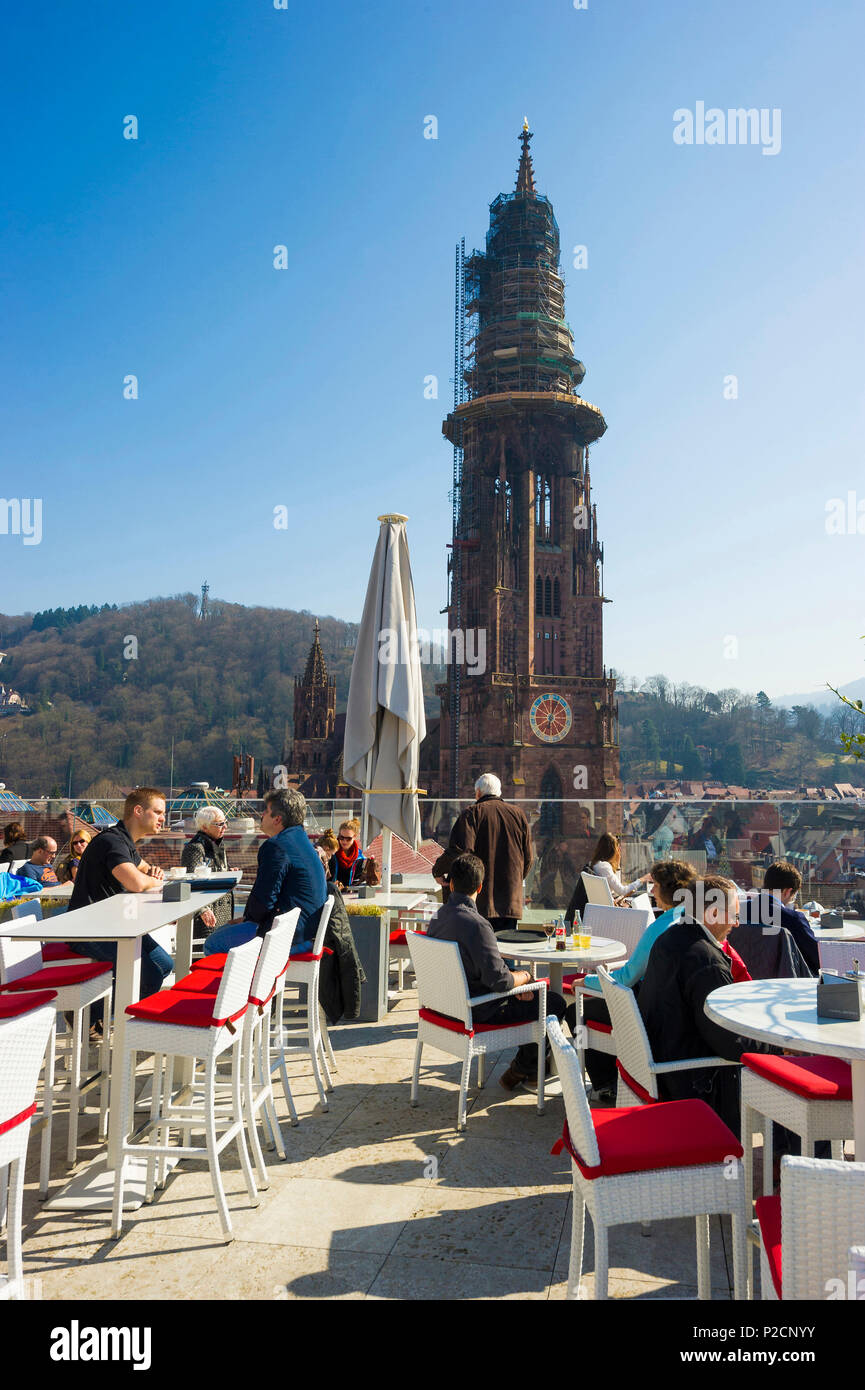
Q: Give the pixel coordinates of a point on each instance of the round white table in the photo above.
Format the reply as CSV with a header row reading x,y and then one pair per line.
x,y
851,931
602,949
784,1012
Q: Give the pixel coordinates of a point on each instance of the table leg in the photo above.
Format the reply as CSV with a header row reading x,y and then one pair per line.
x,y
858,1078
127,989
182,965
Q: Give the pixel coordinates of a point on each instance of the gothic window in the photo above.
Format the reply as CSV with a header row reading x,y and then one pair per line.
x,y
508,500
548,597
557,600
539,604
543,507
550,822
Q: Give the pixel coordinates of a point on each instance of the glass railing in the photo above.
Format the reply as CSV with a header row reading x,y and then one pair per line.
x,y
825,840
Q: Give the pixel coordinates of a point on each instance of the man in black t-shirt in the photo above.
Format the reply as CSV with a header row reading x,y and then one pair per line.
x,y
111,864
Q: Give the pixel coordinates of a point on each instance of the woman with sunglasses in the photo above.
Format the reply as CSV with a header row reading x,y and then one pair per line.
x,y
68,866
206,851
346,866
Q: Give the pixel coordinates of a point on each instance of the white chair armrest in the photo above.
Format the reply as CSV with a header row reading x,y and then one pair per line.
x,y
688,1063
506,994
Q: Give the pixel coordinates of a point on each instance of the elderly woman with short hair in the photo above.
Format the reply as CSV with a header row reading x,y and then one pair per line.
x,y
205,850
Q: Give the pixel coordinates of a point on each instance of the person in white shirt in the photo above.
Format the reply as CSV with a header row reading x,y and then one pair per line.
x,y
606,862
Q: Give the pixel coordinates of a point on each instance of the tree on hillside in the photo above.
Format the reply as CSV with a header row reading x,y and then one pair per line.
x,y
692,763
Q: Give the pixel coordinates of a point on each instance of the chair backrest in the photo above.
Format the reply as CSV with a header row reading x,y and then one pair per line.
x,y
19,958
629,1031
275,951
840,955
22,1047
234,988
815,1249
441,979
318,945
579,1116
642,901
597,889
16,866
31,909
625,924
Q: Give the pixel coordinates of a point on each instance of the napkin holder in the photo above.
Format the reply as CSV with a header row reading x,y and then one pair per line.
x,y
177,891
837,997
366,890
831,921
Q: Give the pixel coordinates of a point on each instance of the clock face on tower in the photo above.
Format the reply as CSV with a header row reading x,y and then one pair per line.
x,y
550,718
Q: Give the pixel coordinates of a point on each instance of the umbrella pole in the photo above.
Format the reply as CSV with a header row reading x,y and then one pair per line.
x,y
364,815
386,847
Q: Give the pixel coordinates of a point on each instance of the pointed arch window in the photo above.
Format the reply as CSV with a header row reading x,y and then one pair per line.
x,y
550,822
557,599
548,598
539,594
543,507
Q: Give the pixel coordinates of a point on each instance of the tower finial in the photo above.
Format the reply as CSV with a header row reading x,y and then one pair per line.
x,y
525,173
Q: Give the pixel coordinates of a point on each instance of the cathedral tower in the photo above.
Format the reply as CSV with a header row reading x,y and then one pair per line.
x,y
314,712
526,567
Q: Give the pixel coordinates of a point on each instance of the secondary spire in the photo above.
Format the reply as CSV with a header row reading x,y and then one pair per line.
x,y
525,173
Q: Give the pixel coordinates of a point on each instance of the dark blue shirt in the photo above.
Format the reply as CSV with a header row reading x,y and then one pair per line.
x,y
290,874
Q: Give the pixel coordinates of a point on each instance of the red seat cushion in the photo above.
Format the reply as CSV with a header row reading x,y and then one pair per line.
x,y
180,1010
59,976
214,962
15,1120
635,1086
397,938
815,1078
768,1213
308,955
568,981
14,1005
199,982
598,1025
645,1138
453,1025
58,950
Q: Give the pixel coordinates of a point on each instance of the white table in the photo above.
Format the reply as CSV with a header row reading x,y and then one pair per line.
x,y
122,919
784,1012
602,949
851,931
405,902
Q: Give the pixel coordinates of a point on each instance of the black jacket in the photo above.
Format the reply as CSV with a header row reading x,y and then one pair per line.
x,y
684,968
486,972
767,911
341,974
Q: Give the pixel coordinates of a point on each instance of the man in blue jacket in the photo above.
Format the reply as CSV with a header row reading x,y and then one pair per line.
x,y
773,908
290,874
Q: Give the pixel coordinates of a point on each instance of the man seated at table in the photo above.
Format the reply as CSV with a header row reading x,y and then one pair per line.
x,y
686,964
112,864
486,972
773,908
290,874
39,865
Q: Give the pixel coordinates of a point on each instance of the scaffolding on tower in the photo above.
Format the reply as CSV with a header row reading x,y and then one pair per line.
x,y
456,595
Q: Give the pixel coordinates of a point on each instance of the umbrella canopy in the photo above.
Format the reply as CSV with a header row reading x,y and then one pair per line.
x,y
384,721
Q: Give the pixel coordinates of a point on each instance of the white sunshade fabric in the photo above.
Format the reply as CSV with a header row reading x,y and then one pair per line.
x,y
385,714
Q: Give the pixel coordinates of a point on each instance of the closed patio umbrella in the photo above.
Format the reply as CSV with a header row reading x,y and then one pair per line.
x,y
384,722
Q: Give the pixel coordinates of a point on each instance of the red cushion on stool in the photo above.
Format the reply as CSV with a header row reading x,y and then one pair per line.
x,y
56,976
768,1213
199,982
568,981
815,1078
181,1010
58,950
397,938
214,962
644,1138
598,1025
308,955
14,1005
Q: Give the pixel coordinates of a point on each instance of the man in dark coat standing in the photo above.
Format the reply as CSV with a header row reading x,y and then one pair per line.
x,y
499,835
686,965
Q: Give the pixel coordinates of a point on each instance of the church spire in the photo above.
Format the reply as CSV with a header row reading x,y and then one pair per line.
x,y
316,670
525,173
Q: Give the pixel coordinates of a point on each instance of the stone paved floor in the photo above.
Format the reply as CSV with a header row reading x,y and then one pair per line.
x,y
376,1200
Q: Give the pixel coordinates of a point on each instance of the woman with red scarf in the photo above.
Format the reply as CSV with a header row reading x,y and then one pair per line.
x,y
346,866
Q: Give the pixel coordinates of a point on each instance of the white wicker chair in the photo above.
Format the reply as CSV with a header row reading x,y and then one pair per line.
x,y
26,1036
399,955
304,970
625,924
638,1070
856,1268
597,889
812,1096
255,1050
653,1162
77,986
445,1017
53,952
818,1216
172,1024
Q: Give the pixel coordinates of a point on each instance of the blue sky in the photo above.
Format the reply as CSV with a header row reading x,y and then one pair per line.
x,y
304,387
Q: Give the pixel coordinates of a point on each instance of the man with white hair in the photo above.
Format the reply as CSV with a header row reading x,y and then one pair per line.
x,y
498,833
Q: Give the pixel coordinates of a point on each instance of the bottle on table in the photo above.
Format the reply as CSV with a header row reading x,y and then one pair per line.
x,y
561,944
